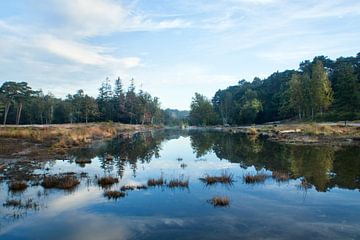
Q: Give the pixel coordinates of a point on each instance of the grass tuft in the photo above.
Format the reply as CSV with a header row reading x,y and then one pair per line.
x,y
256,178
18,186
220,201
114,194
156,182
60,182
178,183
224,178
107,181
132,187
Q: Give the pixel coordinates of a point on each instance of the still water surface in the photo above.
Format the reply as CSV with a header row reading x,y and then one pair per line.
x,y
327,208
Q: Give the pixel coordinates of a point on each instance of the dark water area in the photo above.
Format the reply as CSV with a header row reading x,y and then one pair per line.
x,y
306,192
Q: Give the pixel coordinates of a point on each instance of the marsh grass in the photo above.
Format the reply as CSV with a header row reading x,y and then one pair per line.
x,y
114,194
132,187
153,182
280,176
18,186
107,181
60,182
178,183
224,178
220,201
259,177
28,204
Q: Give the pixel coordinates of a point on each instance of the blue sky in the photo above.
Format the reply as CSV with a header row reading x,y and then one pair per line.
x,y
172,48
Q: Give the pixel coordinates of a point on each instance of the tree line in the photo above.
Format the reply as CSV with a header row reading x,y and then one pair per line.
x,y
20,104
321,89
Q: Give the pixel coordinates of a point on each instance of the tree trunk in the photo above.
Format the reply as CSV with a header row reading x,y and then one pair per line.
x,y
7,107
18,115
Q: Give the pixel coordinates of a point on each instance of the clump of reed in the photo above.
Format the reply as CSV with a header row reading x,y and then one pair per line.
x,y
60,182
17,186
153,182
178,183
280,176
224,178
255,178
107,181
114,194
132,187
220,201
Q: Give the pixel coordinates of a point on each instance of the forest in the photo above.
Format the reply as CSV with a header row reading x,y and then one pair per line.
x,y
320,90
20,104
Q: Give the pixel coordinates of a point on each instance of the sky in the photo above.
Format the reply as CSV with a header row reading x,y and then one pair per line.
x,y
172,48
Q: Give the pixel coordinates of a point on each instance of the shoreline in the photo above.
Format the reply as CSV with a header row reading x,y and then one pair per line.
x,y
43,142
299,133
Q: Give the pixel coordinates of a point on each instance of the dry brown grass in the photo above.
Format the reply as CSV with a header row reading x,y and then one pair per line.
x,y
224,178
132,187
178,183
107,181
114,194
156,182
12,203
280,176
255,178
18,186
60,182
220,201
321,129
67,135
252,131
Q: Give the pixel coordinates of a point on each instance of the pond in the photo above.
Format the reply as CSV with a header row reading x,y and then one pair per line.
x,y
273,191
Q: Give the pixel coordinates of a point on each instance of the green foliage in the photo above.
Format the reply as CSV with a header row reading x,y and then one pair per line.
x,y
201,111
111,105
318,86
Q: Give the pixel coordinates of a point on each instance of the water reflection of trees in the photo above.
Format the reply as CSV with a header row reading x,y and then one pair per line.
x,y
324,167
127,149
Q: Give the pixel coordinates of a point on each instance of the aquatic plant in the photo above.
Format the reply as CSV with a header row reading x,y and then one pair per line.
x,y
220,201
114,194
178,183
132,187
255,178
224,178
60,182
107,181
18,186
156,182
